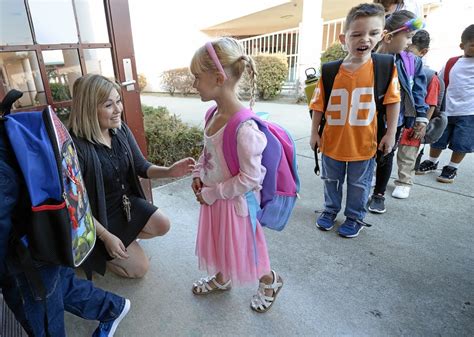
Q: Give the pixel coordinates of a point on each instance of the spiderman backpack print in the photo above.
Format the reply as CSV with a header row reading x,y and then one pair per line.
x,y
61,230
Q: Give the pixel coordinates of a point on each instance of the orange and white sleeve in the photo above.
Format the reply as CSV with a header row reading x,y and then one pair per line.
x,y
393,92
317,101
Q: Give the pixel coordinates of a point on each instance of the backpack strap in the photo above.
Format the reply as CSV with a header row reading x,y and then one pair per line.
x,y
209,113
230,138
442,95
383,71
7,102
329,71
447,69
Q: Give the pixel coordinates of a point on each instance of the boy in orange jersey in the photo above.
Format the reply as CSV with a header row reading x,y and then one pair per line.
x,y
349,141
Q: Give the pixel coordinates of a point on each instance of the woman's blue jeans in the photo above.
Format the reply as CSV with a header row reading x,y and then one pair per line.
x,y
65,292
359,175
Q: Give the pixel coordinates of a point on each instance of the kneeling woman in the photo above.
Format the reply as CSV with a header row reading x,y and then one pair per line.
x,y
111,163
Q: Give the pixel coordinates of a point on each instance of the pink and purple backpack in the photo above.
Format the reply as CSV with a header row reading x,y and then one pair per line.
x,y
281,184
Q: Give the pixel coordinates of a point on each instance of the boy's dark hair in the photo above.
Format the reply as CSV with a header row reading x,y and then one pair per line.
x,y
398,19
421,39
364,11
387,3
468,34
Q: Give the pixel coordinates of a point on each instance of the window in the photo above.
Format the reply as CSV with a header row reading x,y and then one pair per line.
x,y
14,26
50,28
45,45
99,61
91,20
20,70
62,68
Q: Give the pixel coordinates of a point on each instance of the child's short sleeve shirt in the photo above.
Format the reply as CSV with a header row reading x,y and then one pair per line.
x,y
432,92
460,91
350,133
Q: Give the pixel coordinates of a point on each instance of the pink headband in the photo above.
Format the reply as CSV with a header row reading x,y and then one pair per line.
x,y
215,59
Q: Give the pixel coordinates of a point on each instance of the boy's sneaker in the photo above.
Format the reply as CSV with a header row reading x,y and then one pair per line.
x,y
326,221
107,329
447,174
401,192
426,166
377,204
350,228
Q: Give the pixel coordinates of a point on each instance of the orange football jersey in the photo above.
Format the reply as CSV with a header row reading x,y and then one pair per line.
x,y
350,133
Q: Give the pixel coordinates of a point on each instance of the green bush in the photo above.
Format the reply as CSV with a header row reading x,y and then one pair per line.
x,y
245,86
272,72
333,53
60,92
169,139
178,80
63,114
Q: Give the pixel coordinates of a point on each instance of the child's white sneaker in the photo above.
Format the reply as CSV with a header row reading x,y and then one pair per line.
x,y
401,192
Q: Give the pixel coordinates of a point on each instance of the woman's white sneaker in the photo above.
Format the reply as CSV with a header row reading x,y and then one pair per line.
x,y
401,192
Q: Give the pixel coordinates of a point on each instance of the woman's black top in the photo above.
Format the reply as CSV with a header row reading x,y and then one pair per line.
x,y
101,167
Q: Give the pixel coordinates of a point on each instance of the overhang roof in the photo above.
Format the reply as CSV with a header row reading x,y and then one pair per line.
x,y
284,16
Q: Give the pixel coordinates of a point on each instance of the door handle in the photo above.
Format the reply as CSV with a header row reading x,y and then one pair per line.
x,y
124,84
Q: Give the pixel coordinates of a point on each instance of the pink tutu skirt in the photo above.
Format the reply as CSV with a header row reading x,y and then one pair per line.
x,y
225,244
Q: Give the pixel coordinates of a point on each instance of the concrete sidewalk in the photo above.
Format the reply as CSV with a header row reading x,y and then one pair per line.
x,y
410,274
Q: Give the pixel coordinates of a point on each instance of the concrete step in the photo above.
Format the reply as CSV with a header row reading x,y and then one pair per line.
x,y
289,89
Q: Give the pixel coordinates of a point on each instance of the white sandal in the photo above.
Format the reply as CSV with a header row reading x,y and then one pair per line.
x,y
262,303
203,287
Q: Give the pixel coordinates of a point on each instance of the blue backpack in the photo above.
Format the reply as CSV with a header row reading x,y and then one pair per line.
x,y
281,184
61,230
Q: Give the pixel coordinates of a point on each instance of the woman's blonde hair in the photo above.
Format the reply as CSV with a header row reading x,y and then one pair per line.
x,y
88,93
233,59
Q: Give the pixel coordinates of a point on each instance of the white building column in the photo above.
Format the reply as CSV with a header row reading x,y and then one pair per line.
x,y
71,67
310,37
29,82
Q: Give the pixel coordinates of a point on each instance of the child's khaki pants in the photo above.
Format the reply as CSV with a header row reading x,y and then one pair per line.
x,y
406,158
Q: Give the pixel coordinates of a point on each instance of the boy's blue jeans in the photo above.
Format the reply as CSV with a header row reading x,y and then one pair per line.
x,y
64,291
359,175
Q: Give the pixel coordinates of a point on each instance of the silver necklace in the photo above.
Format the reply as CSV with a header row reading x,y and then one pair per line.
x,y
126,205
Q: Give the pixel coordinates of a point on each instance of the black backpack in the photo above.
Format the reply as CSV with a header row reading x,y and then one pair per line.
x,y
60,228
383,71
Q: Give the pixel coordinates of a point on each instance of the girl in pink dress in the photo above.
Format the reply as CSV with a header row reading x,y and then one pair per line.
x,y
226,246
